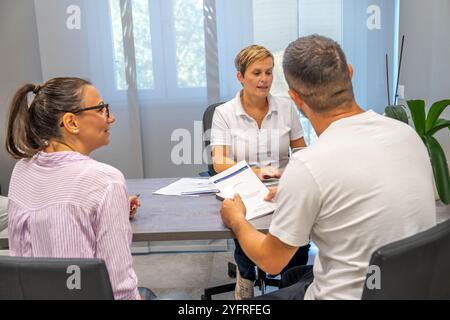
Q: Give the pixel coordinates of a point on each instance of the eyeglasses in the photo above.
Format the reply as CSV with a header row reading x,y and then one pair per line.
x,y
102,106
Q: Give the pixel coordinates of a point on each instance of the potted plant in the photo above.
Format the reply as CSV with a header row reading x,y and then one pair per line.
x,y
426,126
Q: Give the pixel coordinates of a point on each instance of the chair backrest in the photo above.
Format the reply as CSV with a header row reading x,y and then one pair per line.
x,y
413,268
54,279
207,123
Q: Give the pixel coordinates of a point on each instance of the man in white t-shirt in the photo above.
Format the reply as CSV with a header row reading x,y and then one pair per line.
x,y
365,183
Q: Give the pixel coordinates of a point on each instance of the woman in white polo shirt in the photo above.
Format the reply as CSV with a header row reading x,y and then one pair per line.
x,y
260,129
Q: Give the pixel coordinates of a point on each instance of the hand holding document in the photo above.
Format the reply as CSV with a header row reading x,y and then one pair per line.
x,y
240,179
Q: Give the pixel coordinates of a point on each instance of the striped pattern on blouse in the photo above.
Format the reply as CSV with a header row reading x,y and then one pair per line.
x,y
66,205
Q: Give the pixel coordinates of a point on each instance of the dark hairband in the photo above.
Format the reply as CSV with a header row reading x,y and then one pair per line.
x,y
36,89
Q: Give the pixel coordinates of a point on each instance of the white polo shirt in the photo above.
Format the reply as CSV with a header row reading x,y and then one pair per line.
x,y
233,127
366,182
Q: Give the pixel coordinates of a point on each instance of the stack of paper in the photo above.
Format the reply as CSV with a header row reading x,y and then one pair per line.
x,y
240,179
188,186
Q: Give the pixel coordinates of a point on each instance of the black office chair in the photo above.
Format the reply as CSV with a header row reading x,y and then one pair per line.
x,y
54,279
262,280
207,123
57,279
413,268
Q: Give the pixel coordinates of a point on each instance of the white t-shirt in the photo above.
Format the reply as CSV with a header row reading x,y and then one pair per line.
x,y
3,213
233,127
366,182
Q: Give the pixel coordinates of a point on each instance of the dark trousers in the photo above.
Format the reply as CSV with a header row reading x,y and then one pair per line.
x,y
247,267
294,284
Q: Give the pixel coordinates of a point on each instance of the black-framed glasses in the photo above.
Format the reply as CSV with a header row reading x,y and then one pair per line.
x,y
100,107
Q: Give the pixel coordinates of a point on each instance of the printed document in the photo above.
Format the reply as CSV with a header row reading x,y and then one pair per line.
x,y
240,179
187,187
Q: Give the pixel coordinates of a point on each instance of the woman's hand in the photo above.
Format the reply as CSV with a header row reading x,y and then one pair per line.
x,y
134,204
268,173
271,195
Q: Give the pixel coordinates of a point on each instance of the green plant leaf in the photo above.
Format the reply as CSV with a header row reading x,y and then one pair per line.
x,y
440,168
439,125
435,111
417,108
397,112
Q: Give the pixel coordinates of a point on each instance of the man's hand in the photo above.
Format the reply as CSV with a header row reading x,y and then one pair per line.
x,y
272,193
232,211
134,204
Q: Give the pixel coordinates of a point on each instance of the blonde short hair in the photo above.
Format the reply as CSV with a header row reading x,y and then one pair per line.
x,y
249,55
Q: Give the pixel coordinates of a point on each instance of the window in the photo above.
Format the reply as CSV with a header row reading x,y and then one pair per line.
x,y
275,25
169,46
142,43
190,43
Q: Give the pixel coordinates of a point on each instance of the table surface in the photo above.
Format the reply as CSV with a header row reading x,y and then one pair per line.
x,y
179,218
172,218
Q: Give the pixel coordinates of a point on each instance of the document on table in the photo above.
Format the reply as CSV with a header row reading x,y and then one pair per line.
x,y
240,179
188,187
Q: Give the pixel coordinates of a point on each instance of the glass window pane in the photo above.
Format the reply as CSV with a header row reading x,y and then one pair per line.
x,y
275,25
121,82
190,43
142,43
321,16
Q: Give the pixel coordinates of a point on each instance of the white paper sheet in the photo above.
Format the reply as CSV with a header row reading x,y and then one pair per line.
x,y
188,187
240,179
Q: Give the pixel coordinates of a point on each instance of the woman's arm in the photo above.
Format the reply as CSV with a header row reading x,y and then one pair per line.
x,y
299,143
221,163
113,233
220,159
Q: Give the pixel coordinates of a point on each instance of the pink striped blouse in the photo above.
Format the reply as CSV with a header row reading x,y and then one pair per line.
x,y
66,205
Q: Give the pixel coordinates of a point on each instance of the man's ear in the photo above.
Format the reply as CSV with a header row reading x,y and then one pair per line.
x,y
71,123
350,70
296,98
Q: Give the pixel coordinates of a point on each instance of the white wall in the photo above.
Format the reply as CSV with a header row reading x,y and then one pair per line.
x,y
426,65
19,63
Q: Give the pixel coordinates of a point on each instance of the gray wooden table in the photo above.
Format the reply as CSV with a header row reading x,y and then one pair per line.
x,y
166,218
170,218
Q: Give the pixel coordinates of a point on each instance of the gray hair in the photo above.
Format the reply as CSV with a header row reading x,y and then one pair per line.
x,y
316,68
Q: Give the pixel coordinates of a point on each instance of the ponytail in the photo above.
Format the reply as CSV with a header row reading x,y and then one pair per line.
x,y
31,127
21,139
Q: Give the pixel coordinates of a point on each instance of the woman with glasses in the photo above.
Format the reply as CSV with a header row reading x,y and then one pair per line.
x,y
62,203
